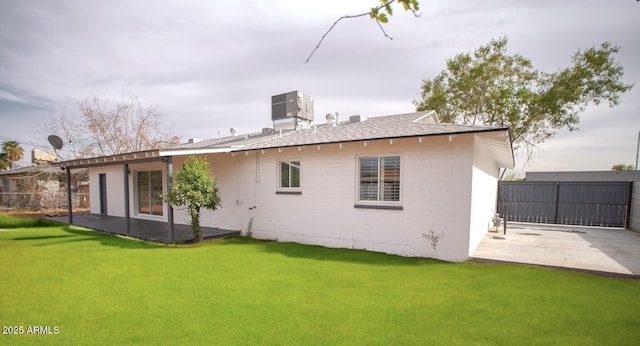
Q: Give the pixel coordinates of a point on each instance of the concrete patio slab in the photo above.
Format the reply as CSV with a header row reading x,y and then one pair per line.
x,y
609,250
156,231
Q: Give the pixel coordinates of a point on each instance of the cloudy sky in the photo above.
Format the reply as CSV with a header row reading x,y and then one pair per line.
x,y
212,65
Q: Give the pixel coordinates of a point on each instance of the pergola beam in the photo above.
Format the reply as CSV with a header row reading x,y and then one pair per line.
x,y
127,212
69,199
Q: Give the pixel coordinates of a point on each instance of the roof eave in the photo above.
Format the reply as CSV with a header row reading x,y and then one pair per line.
x,y
197,151
138,156
501,149
452,133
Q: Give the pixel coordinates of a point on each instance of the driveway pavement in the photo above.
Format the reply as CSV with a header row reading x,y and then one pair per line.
x,y
611,250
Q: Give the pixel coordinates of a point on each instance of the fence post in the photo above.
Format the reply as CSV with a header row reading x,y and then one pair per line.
x,y
627,211
504,211
555,216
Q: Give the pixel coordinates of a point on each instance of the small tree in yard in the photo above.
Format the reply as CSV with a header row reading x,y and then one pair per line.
x,y
196,188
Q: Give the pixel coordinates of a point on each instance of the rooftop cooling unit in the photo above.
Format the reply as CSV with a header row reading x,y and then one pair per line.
x,y
291,110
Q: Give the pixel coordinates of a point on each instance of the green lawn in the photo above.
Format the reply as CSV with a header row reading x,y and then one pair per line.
x,y
101,289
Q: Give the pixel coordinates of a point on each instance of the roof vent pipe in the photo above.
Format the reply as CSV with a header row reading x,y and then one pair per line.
x,y
331,119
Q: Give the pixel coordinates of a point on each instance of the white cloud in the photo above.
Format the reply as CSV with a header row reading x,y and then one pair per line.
x,y
213,65
6,95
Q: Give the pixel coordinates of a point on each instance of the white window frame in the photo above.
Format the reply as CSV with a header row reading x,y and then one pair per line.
x,y
378,204
290,189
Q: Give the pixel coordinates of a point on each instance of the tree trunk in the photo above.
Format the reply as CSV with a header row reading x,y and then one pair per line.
x,y
195,224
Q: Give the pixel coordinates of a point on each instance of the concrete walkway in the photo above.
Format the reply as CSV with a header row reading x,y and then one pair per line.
x,y
610,250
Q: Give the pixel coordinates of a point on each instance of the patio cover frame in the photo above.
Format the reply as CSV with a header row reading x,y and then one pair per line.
x,y
125,160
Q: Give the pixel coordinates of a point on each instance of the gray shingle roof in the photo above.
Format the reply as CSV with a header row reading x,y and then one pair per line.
x,y
383,127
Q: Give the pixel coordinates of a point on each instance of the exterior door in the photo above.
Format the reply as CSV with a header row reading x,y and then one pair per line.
x,y
102,182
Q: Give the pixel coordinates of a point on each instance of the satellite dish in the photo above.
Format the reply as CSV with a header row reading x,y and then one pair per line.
x,y
56,142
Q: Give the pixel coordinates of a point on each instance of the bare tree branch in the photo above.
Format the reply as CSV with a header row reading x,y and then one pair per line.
x,y
375,14
107,128
331,28
382,29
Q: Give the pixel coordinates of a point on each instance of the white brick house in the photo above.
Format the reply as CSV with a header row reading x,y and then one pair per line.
x,y
387,184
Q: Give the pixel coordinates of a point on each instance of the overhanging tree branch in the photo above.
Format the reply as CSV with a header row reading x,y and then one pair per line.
x,y
379,14
505,90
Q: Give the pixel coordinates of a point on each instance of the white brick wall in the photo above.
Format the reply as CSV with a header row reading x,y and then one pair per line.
x,y
436,193
436,196
484,194
115,189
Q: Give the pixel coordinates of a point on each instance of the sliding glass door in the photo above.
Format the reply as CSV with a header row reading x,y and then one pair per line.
x,y
149,192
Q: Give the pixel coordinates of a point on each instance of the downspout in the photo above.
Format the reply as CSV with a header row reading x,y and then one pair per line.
x,y
127,212
69,199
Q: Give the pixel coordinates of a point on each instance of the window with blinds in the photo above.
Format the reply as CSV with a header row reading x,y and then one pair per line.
x,y
379,178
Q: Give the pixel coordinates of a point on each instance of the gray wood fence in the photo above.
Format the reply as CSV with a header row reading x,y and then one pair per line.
x,y
605,204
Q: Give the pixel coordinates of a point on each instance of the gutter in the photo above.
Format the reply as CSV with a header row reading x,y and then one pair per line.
x,y
497,129
196,151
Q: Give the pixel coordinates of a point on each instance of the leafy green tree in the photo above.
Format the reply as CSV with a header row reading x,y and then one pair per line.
x,y
512,177
493,88
12,151
196,188
623,167
4,163
382,12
